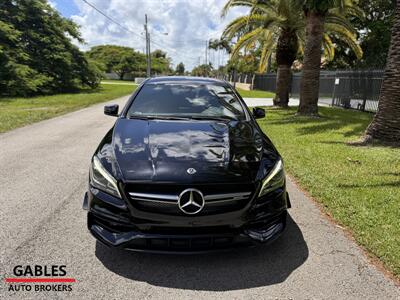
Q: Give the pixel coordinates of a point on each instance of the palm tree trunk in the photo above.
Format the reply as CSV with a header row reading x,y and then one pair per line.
x,y
386,124
309,86
286,52
283,83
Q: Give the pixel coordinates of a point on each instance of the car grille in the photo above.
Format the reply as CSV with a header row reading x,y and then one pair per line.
x,y
188,244
163,198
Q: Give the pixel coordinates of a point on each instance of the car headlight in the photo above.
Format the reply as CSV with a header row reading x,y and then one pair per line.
x,y
101,179
274,179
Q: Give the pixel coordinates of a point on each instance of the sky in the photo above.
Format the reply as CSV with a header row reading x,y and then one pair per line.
x,y
178,27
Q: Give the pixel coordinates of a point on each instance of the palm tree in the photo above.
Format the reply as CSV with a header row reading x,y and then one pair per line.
x,y
318,14
220,44
386,124
279,26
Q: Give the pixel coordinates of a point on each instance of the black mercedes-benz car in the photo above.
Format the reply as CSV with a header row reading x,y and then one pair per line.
x,y
186,169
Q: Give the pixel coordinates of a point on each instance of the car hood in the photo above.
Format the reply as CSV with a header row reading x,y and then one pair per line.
x,y
164,150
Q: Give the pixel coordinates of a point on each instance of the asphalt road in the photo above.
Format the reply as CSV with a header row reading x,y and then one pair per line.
x,y
43,176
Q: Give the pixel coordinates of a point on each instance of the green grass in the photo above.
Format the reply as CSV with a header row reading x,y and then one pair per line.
x,y
17,112
358,186
255,94
118,81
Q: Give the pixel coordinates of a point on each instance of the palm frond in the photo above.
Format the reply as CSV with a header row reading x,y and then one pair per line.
x,y
240,24
269,18
233,3
245,40
341,21
264,6
348,37
266,52
349,11
235,26
329,47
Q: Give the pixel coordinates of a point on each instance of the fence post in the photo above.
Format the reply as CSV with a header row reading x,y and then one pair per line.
x,y
365,83
334,89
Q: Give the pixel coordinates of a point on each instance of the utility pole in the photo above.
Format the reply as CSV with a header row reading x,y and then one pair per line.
x,y
206,51
149,64
147,47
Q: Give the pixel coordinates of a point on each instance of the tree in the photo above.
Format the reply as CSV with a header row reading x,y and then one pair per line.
x,y
246,63
123,60
95,73
109,55
220,44
385,125
317,14
374,36
279,26
36,51
376,25
159,54
203,70
180,69
160,63
130,62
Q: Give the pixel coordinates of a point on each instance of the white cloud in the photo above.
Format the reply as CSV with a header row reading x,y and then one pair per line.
x,y
52,4
188,24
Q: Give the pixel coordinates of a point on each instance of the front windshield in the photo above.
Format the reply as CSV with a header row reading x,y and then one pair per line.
x,y
192,100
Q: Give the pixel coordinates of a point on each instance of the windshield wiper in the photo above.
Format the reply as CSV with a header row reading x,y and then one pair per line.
x,y
157,117
171,118
138,117
217,118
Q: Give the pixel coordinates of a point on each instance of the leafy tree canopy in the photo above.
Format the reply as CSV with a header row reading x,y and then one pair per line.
x,y
245,63
203,70
160,63
180,69
125,60
109,55
159,54
374,34
36,52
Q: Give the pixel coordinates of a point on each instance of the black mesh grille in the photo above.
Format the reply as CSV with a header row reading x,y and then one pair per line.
x,y
188,244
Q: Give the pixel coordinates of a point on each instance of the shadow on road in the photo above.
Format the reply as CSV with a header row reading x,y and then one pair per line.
x,y
247,268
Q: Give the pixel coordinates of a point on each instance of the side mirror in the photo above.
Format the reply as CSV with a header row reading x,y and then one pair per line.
x,y
258,112
111,110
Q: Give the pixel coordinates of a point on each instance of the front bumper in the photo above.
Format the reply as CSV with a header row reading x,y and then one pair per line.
x,y
111,221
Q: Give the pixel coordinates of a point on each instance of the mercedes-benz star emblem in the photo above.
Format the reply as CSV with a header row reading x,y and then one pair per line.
x,y
191,201
191,171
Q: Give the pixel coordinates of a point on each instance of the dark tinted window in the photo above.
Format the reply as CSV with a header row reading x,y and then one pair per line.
x,y
186,100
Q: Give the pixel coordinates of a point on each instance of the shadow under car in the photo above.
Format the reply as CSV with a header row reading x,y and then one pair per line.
x,y
238,269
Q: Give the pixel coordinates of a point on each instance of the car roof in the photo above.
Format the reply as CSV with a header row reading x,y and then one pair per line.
x,y
186,79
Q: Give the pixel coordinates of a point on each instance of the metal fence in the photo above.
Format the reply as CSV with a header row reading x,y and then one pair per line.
x,y
234,77
265,82
357,89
